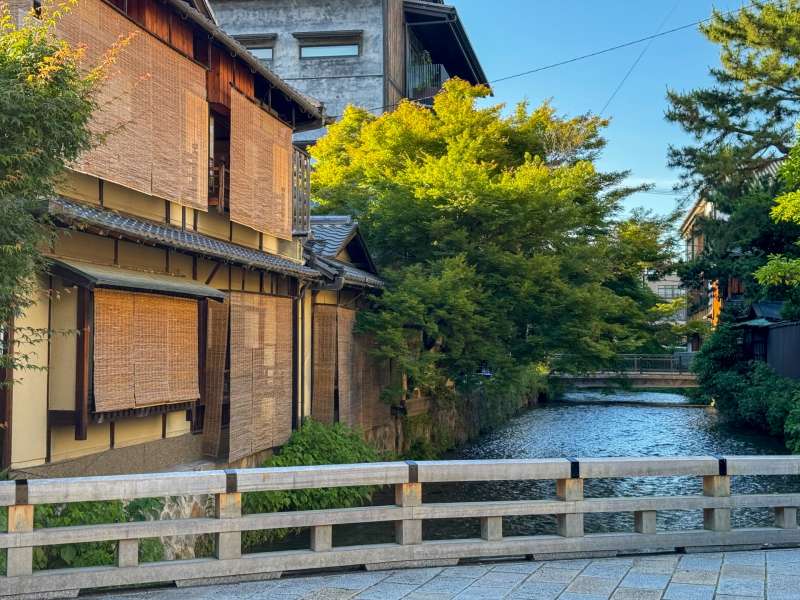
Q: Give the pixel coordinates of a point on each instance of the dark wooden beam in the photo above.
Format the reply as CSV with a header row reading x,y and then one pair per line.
x,y
82,364
202,344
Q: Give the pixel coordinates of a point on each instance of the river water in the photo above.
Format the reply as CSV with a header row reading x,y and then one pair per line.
x,y
593,424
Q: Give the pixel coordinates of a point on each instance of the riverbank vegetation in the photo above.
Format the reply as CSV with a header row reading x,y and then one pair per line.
x,y
502,244
741,160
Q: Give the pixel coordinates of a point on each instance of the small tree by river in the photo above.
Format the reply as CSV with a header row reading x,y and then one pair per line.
x,y
501,241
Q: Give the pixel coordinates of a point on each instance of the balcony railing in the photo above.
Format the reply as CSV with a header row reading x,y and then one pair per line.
x,y
425,81
218,184
301,192
219,189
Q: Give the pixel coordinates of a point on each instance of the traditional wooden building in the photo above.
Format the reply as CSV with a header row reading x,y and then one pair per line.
x,y
178,294
347,379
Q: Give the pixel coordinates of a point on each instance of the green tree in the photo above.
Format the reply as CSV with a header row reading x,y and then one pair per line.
x,y
46,101
502,243
742,124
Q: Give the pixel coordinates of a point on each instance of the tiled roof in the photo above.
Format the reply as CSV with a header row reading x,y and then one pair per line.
x,y
355,276
71,212
330,234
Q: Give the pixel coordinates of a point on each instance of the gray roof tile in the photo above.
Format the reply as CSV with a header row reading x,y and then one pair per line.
x,y
71,212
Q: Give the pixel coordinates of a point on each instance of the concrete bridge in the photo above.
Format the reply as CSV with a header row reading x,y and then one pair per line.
x,y
407,513
637,371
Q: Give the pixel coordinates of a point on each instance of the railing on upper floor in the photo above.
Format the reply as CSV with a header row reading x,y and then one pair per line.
x,y
218,184
301,192
425,80
408,512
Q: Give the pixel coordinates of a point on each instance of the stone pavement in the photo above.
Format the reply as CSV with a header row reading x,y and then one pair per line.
x,y
770,575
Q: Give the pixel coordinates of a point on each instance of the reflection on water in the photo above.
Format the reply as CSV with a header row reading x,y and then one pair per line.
x,y
621,397
656,427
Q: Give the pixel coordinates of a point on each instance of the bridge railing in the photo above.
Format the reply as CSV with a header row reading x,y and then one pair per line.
x,y
407,513
653,363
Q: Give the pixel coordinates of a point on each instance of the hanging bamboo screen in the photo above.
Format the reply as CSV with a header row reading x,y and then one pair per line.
x,y
261,169
145,350
348,410
152,109
261,373
370,378
324,362
114,333
216,350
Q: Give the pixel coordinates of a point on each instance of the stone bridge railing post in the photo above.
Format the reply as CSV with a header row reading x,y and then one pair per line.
x,y
228,506
20,520
717,486
570,490
409,531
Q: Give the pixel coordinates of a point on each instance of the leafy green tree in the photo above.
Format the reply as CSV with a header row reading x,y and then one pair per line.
x,y
742,124
46,101
502,243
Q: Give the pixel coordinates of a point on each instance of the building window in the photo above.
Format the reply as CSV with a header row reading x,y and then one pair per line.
x,y
329,44
329,51
260,45
264,54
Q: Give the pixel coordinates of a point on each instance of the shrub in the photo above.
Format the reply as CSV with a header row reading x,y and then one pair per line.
x,y
313,444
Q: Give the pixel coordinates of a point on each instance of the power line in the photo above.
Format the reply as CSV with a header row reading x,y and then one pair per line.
x,y
583,56
638,59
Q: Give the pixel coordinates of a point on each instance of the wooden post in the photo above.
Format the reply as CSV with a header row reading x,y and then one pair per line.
x,y
321,538
83,359
408,531
128,553
569,490
786,517
228,544
20,560
492,529
717,486
644,521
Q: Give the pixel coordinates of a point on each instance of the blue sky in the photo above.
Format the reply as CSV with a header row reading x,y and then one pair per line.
x,y
511,36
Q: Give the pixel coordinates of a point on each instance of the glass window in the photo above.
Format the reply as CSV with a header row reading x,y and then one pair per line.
x,y
329,50
262,53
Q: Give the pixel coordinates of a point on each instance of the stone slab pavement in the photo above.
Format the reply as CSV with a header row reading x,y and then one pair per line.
x,y
768,575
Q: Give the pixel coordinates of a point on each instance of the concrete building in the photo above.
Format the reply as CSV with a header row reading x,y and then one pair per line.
x,y
369,53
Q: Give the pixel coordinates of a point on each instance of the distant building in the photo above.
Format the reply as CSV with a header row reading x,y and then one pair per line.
x,y
369,53
669,289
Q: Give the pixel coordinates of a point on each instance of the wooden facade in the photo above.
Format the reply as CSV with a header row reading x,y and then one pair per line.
x,y
394,32
166,367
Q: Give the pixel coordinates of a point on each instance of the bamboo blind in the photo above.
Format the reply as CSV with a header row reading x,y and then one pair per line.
x,y
323,379
348,410
261,169
216,351
370,377
261,373
152,109
145,350
114,333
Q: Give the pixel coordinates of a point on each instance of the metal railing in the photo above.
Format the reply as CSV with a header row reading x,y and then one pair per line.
x,y
301,192
654,363
425,80
407,513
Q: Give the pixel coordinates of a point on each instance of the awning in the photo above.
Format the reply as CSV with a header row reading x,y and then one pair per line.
x,y
755,323
90,276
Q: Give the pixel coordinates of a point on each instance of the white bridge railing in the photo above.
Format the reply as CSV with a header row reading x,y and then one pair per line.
x,y
408,512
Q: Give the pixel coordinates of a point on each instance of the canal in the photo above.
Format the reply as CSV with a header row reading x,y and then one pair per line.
x,y
589,424
597,424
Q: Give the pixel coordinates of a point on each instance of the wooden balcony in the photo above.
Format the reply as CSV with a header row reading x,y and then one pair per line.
x,y
301,192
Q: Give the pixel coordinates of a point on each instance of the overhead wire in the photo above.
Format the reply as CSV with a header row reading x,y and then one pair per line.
x,y
583,56
638,59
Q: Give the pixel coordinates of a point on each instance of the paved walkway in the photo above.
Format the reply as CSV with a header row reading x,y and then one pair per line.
x,y
771,575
